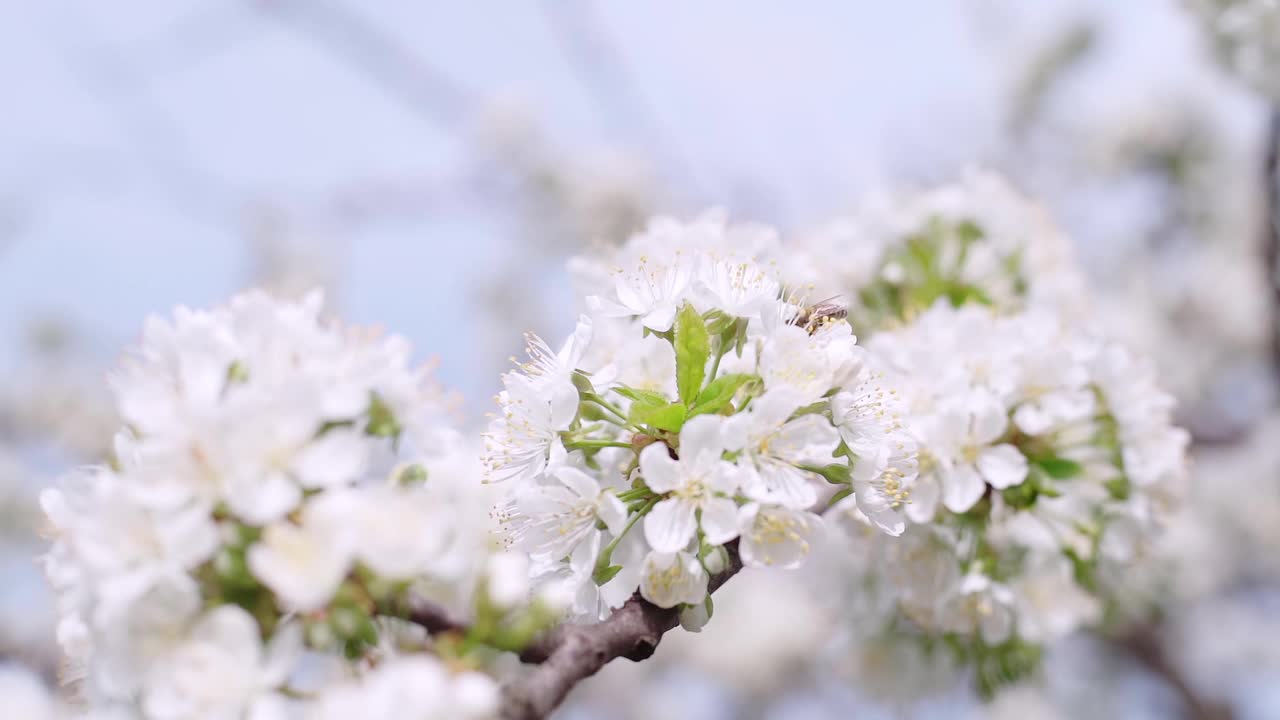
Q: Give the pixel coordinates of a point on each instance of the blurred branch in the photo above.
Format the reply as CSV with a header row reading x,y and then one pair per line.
x,y
149,129
196,37
1143,644
378,56
595,59
435,619
1046,70
1271,246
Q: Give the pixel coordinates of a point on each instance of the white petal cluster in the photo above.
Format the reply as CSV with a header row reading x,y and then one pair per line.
x,y
973,240
699,404
1033,460
1045,456
25,695
671,243
1247,34
275,483
416,687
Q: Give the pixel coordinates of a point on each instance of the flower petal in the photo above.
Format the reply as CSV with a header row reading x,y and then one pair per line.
x,y
661,473
701,436
777,537
989,420
924,499
582,484
962,488
719,520
612,512
661,318
809,439
670,525
1002,466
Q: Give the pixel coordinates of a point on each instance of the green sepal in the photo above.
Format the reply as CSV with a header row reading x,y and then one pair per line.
x,y
603,575
835,473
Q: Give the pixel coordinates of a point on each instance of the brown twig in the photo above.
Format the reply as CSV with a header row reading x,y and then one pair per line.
x,y
572,653
1271,242
434,619
1144,645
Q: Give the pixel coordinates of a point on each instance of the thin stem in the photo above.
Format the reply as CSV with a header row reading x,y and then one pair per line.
x,y
617,411
640,493
721,348
606,555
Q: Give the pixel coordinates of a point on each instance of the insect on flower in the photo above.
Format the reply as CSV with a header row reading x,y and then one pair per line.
x,y
812,317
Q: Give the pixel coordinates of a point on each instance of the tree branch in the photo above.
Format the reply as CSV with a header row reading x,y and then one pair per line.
x,y
1144,645
1271,244
572,653
434,619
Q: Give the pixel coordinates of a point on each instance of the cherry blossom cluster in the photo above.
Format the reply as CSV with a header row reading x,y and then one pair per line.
x,y
1040,459
975,240
1047,458
282,486
1247,34
701,404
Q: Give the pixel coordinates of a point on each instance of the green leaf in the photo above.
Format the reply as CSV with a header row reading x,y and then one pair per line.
x,y
968,231
720,392
645,396
693,347
668,416
412,475
382,420
1118,487
1085,571
1059,468
1021,496
237,373
960,294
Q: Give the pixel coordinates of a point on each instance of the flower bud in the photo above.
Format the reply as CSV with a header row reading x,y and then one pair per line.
x,y
716,560
694,617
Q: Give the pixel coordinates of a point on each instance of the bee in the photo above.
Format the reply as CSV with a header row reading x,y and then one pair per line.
x,y
812,317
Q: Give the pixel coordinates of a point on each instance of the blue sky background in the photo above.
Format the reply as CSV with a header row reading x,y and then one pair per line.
x,y
138,137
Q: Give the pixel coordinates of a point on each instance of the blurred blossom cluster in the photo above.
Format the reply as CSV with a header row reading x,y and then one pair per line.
x,y
1247,33
280,486
991,456
950,414
701,401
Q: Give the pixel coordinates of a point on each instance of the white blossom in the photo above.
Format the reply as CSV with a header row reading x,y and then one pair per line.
x,y
774,447
221,669
699,484
774,536
672,579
